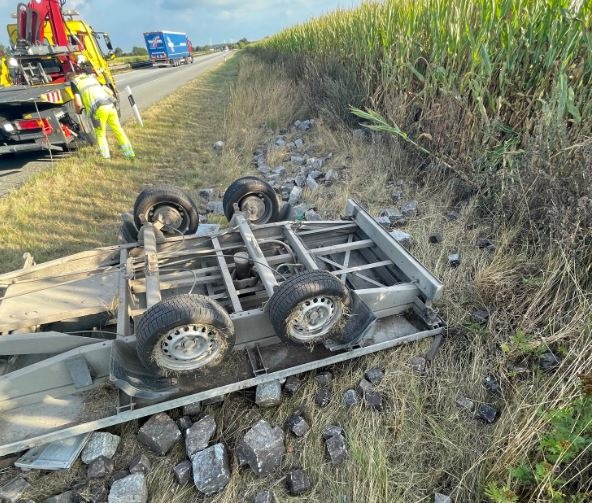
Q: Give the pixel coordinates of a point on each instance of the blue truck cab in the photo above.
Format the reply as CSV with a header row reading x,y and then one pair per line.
x,y
168,48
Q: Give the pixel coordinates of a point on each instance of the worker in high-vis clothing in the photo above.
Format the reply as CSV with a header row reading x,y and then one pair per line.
x,y
98,101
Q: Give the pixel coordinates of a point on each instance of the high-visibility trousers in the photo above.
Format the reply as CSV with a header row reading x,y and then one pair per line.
x,y
107,116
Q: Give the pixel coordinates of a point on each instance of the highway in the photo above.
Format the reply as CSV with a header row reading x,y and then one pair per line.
x,y
149,85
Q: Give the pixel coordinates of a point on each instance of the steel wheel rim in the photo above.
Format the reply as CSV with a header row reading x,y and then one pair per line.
x,y
314,318
187,347
257,207
173,216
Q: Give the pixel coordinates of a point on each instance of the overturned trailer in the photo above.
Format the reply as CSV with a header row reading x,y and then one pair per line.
x,y
117,333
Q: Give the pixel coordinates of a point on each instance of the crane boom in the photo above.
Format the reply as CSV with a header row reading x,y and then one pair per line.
x,y
31,20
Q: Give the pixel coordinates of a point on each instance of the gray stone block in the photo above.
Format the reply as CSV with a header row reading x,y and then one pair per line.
x,y
100,443
419,365
211,470
280,141
298,425
292,385
409,209
441,498
332,431
323,396
393,214
215,207
311,183
492,385
66,497
312,216
159,434
435,238
299,143
364,386
130,489
453,215
297,482
262,448
12,491
331,176
485,244
465,403
336,449
549,361
480,316
279,171
295,195
350,398
141,464
403,238
218,146
324,378
182,472
487,413
268,394
374,375
264,497
199,435
99,468
298,160
206,194
184,423
454,259
373,400
384,221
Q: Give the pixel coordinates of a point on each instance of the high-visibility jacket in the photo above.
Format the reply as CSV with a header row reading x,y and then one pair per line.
x,y
92,93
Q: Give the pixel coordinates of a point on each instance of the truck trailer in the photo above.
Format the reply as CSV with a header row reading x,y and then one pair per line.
x,y
168,48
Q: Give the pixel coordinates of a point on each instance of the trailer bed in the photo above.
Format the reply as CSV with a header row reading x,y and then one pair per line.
x,y
60,380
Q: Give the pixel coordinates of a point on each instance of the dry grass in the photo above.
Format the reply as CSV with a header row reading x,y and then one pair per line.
x,y
423,442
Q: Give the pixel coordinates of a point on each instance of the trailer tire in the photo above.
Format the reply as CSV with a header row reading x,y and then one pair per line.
x,y
177,209
254,196
309,307
184,334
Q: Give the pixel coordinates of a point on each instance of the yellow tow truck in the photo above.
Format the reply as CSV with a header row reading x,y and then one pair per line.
x,y
36,108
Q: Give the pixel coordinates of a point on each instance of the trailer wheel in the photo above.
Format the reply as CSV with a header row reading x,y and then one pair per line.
x,y
255,197
309,307
169,205
183,334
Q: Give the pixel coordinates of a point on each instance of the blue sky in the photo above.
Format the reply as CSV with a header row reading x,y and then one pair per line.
x,y
203,20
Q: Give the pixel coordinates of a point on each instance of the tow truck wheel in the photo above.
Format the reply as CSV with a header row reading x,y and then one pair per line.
x,y
255,197
309,307
169,205
184,334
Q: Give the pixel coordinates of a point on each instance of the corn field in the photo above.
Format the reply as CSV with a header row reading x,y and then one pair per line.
x,y
506,56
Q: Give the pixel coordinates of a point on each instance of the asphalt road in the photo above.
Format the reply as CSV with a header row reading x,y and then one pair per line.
x,y
149,85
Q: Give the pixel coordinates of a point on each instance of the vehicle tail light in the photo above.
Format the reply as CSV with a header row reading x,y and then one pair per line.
x,y
34,125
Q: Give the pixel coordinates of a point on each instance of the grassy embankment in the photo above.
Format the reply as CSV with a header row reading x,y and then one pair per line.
x,y
487,106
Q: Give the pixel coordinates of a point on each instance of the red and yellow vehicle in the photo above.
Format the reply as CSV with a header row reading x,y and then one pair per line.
x,y
36,109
